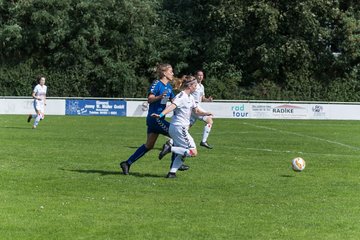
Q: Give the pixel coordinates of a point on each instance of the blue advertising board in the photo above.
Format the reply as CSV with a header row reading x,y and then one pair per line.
x,y
95,107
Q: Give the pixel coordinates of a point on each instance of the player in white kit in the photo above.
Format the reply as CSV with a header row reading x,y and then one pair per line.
x,y
199,95
39,95
183,106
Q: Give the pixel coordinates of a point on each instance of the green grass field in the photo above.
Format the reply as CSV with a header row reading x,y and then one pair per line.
x,y
62,181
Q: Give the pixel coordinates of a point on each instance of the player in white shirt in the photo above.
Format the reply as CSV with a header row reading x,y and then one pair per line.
x,y
39,95
183,106
199,95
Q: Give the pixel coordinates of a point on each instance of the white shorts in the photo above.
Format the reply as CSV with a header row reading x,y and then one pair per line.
x,y
39,106
195,117
181,137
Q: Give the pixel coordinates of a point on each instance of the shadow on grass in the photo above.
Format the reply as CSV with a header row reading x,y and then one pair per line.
x,y
136,174
133,147
287,175
105,173
28,128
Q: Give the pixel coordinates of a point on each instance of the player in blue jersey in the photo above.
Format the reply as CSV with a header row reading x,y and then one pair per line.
x,y
159,93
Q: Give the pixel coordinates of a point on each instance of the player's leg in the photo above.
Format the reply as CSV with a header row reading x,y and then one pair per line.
x,y
30,116
167,147
176,163
37,118
207,128
150,142
183,151
184,146
185,167
163,126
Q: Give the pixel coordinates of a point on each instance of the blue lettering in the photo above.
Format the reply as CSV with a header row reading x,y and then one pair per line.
x,y
240,114
238,108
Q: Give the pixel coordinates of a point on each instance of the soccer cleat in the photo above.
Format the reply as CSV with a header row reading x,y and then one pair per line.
x,y
183,167
165,150
125,167
29,118
205,144
171,175
33,127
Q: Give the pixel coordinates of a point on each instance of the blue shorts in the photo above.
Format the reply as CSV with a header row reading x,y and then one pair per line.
x,y
157,125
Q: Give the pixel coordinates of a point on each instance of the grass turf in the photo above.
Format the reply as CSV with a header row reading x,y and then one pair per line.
x,y
62,181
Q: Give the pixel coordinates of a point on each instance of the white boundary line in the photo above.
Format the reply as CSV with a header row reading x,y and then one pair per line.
x,y
300,153
303,135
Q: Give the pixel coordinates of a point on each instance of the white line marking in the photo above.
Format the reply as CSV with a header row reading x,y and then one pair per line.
x,y
303,135
300,153
293,152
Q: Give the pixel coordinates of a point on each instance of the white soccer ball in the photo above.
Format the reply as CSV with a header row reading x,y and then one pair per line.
x,y
298,164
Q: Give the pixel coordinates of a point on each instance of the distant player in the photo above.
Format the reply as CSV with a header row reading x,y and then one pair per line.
x,y
39,96
199,96
183,106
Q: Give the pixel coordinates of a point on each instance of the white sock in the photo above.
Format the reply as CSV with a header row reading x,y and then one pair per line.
x,y
181,151
37,120
206,132
176,164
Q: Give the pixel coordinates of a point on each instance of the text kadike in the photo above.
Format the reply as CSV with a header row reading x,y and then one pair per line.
x,y
283,110
238,111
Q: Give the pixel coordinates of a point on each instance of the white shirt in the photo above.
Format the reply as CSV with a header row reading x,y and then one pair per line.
x,y
199,93
40,91
184,106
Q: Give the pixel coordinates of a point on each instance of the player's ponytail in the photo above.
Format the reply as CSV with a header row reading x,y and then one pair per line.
x,y
176,82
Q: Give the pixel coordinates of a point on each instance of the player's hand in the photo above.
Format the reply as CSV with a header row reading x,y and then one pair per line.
x,y
210,99
164,94
154,115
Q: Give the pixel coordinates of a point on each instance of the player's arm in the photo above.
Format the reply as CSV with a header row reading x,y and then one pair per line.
x,y
152,98
205,99
34,96
168,109
199,112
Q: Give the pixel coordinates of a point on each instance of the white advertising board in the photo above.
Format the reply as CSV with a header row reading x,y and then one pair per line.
x,y
25,106
136,108
263,110
236,110
305,111
220,110
278,111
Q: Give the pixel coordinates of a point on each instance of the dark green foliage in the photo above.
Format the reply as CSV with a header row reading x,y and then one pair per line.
x,y
263,49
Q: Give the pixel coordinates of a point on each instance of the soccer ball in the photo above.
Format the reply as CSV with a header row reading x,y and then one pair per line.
x,y
298,164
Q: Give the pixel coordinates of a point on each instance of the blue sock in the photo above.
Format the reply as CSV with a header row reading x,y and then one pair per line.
x,y
137,154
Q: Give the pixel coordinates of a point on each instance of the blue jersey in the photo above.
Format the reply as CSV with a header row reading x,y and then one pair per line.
x,y
158,88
